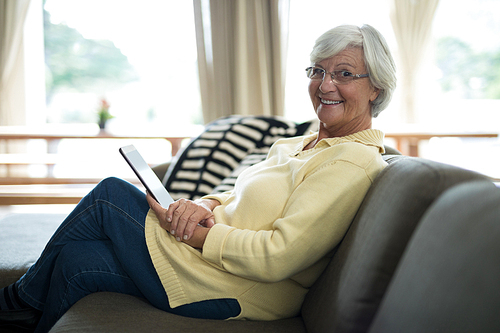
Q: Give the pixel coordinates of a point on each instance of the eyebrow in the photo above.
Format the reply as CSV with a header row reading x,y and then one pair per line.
x,y
346,64
341,64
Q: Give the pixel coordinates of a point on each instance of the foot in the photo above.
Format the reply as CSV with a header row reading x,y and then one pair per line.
x,y
24,320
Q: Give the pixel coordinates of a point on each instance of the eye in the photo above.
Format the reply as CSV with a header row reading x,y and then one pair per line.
x,y
315,73
318,72
346,74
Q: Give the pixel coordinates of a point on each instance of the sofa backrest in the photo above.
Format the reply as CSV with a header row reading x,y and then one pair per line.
x,y
347,295
448,278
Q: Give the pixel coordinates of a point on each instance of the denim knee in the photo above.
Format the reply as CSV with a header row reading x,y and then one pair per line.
x,y
112,184
120,193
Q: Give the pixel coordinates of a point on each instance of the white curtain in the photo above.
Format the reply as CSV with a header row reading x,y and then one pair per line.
x,y
12,97
241,56
412,23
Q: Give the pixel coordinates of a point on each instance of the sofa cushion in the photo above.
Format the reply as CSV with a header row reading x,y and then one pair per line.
x,y
22,240
213,156
346,296
448,278
112,312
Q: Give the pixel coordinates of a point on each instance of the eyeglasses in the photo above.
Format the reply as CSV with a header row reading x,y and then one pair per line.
x,y
338,77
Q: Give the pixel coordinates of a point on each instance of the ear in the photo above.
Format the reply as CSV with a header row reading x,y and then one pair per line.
x,y
374,94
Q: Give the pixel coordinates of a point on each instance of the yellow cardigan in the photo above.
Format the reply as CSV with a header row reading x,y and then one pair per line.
x,y
275,231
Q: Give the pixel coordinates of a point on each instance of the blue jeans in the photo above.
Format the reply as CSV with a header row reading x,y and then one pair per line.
x,y
101,246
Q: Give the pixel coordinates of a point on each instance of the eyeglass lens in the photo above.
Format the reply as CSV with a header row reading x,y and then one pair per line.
x,y
315,73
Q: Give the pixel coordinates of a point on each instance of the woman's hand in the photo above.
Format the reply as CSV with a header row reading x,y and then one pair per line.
x,y
185,218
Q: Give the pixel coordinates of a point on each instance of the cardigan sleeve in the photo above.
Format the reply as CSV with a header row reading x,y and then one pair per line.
x,y
220,197
315,219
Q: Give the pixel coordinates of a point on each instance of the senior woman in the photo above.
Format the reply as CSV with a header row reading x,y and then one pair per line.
x,y
250,253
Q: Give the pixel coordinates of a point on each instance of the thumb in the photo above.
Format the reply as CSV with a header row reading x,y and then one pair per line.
x,y
210,222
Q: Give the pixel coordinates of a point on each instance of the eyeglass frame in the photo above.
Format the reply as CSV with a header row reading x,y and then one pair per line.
x,y
332,74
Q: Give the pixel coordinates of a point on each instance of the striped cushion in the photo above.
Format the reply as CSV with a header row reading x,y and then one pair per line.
x,y
226,147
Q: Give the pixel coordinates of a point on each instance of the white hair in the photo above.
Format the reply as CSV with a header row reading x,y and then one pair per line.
x,y
377,57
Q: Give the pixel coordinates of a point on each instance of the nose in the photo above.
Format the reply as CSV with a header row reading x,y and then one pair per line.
x,y
327,84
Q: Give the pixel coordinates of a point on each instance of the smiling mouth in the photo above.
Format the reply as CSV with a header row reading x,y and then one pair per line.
x,y
325,101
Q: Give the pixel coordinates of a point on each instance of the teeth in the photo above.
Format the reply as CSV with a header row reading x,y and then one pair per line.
x,y
325,101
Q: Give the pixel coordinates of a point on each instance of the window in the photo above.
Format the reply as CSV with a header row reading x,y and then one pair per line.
x,y
128,53
466,58
462,91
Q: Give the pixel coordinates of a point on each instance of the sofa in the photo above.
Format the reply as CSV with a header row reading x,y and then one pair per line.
x,y
421,255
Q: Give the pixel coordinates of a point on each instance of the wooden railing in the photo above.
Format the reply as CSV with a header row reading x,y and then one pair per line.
x,y
53,135
408,142
50,189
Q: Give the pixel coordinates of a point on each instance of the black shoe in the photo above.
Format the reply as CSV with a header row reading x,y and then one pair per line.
x,y
24,320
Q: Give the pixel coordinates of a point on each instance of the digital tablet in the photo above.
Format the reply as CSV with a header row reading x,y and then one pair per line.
x,y
146,175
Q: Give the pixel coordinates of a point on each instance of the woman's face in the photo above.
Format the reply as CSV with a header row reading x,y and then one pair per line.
x,y
343,109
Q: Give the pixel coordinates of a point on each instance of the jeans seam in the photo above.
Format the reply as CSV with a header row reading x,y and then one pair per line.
x,y
121,211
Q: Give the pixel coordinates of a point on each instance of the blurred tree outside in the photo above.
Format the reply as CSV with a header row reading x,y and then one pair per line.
x,y
76,64
474,75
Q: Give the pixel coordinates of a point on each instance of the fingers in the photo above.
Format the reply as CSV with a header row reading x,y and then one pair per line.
x,y
185,216
160,212
208,223
182,217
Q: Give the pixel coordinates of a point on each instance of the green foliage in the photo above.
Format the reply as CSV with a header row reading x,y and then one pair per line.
x,y
82,65
472,74
492,75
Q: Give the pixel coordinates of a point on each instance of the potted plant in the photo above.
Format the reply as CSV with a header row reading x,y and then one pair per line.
x,y
103,113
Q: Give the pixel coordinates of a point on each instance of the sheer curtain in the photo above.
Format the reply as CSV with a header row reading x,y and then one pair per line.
x,y
241,56
412,23
12,98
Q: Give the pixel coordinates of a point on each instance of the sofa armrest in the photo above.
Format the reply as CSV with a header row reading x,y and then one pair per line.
x,y
161,169
391,151
447,279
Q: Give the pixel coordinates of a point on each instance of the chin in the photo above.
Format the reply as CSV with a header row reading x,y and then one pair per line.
x,y
329,116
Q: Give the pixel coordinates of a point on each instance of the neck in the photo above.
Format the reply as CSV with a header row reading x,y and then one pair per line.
x,y
332,132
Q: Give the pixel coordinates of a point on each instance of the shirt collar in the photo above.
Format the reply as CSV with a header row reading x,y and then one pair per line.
x,y
369,137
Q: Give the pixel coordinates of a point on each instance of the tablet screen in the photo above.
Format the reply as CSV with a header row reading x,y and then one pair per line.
x,y
146,175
